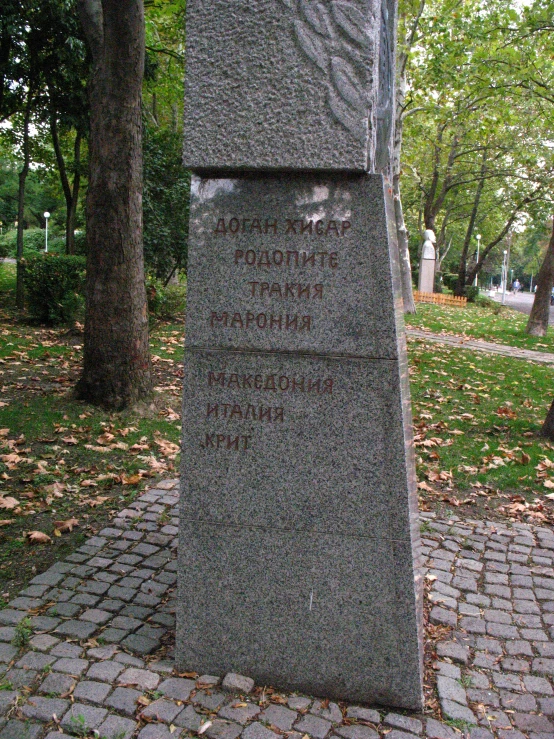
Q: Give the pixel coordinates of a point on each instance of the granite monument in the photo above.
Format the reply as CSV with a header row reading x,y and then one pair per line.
x,y
299,532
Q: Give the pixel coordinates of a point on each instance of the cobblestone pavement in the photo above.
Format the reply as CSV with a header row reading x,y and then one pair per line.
x,y
86,649
482,346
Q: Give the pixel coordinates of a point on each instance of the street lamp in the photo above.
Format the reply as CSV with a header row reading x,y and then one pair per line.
x,y
478,237
46,217
504,275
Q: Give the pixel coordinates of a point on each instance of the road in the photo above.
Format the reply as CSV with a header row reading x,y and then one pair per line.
x,y
521,302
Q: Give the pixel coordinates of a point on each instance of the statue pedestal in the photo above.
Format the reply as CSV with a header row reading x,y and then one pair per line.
x,y
426,276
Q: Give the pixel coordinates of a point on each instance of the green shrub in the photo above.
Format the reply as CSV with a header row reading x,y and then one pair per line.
x,y
54,286
449,280
80,243
166,302
471,292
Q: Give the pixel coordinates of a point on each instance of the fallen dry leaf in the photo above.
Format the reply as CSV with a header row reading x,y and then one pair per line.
x,y
38,537
9,503
67,525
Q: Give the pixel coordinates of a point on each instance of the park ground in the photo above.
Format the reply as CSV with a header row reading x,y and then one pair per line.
x,y
67,468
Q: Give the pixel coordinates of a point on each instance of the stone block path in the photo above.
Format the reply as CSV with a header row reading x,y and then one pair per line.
x,y
86,650
479,345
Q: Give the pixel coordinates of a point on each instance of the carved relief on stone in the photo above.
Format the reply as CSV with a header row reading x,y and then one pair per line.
x,y
340,39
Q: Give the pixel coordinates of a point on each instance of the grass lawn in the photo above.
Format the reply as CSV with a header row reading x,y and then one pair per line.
x,y
476,418
62,460
498,324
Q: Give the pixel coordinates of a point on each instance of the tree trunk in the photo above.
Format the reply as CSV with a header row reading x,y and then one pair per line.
x,y
537,324
461,282
401,230
547,429
117,368
19,289
71,194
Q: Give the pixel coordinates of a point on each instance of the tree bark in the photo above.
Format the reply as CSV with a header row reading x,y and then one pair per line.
x,y
547,429
400,104
117,368
537,324
71,193
19,289
459,289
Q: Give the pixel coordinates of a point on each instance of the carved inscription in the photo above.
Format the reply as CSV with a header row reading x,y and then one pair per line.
x,y
227,411
267,259
305,291
290,226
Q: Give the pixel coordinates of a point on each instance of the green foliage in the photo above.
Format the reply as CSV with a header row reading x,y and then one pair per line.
x,y
166,302
54,286
165,203
471,292
23,633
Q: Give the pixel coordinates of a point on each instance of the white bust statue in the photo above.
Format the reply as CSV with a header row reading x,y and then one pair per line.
x,y
429,239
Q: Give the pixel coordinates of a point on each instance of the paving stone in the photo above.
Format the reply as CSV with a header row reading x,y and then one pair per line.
x,y
126,622
129,659
162,710
56,684
124,700
140,644
117,727
457,711
239,683
11,616
142,679
398,721
92,691
332,712
42,709
362,714
537,685
454,651
480,733
8,699
519,647
436,730
448,689
70,666
241,714
80,716
502,630
255,731
157,731
299,702
34,661
487,697
212,700
473,625
314,726
7,652
189,719
177,688
79,629
21,730
96,616
114,636
532,722
20,678
356,731
518,702
106,671
67,650
64,609
281,717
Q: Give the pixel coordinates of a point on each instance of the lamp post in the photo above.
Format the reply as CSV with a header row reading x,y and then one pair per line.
x,y
478,237
504,275
46,217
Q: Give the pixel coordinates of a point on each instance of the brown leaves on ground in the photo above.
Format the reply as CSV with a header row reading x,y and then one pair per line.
x,y
38,537
68,525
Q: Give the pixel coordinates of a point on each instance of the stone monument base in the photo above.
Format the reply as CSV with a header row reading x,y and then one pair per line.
x,y
299,526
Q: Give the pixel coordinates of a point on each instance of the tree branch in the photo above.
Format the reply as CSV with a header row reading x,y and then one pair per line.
x,y
92,20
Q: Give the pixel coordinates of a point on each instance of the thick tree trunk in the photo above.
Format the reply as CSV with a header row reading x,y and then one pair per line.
x,y
537,324
19,289
117,369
